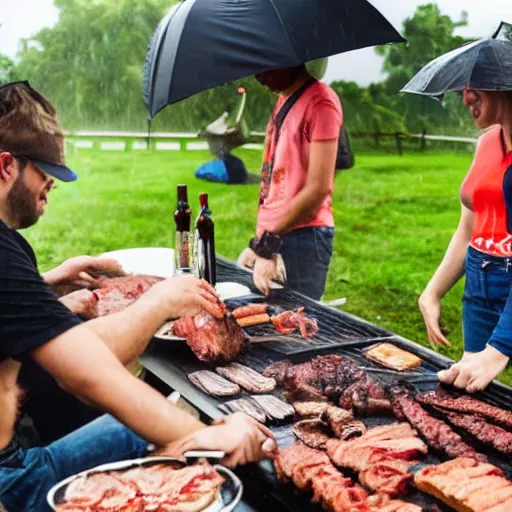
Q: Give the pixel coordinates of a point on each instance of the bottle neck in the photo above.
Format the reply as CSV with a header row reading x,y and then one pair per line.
x,y
182,194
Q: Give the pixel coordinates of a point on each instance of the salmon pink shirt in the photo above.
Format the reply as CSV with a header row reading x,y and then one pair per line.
x,y
482,192
316,116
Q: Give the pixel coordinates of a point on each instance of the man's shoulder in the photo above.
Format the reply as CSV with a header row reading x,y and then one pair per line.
x,y
324,93
13,245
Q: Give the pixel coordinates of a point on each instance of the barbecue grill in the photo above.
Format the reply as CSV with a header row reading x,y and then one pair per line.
x,y
339,333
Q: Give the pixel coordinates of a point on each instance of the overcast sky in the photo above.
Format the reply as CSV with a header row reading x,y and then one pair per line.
x,y
23,18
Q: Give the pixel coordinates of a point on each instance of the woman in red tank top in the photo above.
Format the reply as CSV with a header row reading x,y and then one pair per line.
x,y
481,248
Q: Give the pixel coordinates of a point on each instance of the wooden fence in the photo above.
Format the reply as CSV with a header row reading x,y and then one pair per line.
x,y
189,141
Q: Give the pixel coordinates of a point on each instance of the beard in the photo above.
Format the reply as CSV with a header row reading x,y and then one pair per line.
x,y
21,205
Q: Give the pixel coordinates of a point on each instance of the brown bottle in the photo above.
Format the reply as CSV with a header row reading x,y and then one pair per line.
x,y
206,265
182,249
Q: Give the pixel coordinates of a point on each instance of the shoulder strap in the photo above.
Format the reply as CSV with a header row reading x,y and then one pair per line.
x,y
285,109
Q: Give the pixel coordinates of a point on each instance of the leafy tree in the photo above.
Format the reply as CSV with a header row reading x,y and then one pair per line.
x,y
8,71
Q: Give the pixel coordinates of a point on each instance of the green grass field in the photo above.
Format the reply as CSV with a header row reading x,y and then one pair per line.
x,y
394,218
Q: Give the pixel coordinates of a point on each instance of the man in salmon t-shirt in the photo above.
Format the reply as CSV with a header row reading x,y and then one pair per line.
x,y
295,217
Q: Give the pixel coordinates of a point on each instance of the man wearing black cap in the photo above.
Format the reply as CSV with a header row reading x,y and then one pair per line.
x,y
85,358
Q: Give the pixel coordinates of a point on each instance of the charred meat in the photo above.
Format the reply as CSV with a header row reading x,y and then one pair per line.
x,y
487,433
435,432
466,404
333,378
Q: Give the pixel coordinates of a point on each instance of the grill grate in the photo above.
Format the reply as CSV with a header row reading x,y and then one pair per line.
x,y
339,333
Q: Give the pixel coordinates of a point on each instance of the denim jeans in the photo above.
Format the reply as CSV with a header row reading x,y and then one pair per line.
x,y
487,288
26,476
306,254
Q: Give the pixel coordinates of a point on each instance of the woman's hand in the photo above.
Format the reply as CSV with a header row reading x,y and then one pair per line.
x,y
475,371
430,307
247,258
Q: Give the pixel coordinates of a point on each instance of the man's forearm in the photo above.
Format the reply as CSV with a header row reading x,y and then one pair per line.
x,y
142,409
302,208
128,332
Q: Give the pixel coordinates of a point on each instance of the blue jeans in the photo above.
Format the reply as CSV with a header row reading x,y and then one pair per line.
x,y
26,476
306,254
487,288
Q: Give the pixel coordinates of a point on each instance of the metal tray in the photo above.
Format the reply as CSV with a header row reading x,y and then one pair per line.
x,y
228,497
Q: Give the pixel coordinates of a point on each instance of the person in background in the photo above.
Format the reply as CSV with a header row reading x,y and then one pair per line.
x,y
482,249
295,216
87,358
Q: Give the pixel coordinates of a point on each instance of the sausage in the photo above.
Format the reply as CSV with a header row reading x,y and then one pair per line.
x,y
250,310
247,321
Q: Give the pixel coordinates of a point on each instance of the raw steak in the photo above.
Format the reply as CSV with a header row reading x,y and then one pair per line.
x,y
212,340
116,294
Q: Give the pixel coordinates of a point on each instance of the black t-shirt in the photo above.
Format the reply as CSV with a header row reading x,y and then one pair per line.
x,y
30,312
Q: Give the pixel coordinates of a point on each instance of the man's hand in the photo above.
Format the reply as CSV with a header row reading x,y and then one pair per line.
x,y
242,438
430,308
265,271
82,302
75,271
475,371
187,296
247,258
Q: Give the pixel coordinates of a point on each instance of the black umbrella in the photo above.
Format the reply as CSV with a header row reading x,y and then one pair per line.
x,y
201,44
484,65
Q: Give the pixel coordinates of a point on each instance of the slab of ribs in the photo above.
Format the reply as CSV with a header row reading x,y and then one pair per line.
x,y
467,485
311,471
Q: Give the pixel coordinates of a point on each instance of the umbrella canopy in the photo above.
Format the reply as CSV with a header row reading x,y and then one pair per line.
x,y
484,65
201,44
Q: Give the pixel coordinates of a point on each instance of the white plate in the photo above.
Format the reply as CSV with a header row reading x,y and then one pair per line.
x,y
161,333
219,505
229,290
154,261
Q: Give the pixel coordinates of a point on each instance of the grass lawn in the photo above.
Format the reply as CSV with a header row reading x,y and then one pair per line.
x,y
394,217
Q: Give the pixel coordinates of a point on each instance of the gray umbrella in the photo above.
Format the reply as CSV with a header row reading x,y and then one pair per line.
x,y
201,44
484,65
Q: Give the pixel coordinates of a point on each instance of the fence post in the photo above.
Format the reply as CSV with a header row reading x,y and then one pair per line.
x,y
398,142
376,135
423,141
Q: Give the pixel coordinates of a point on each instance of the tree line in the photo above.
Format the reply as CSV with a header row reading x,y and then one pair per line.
x,y
90,64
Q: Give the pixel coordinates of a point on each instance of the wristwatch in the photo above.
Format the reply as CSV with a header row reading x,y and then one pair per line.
x,y
267,245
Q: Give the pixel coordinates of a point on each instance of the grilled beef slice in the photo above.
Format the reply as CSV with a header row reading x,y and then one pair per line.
x,y
247,378
213,384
